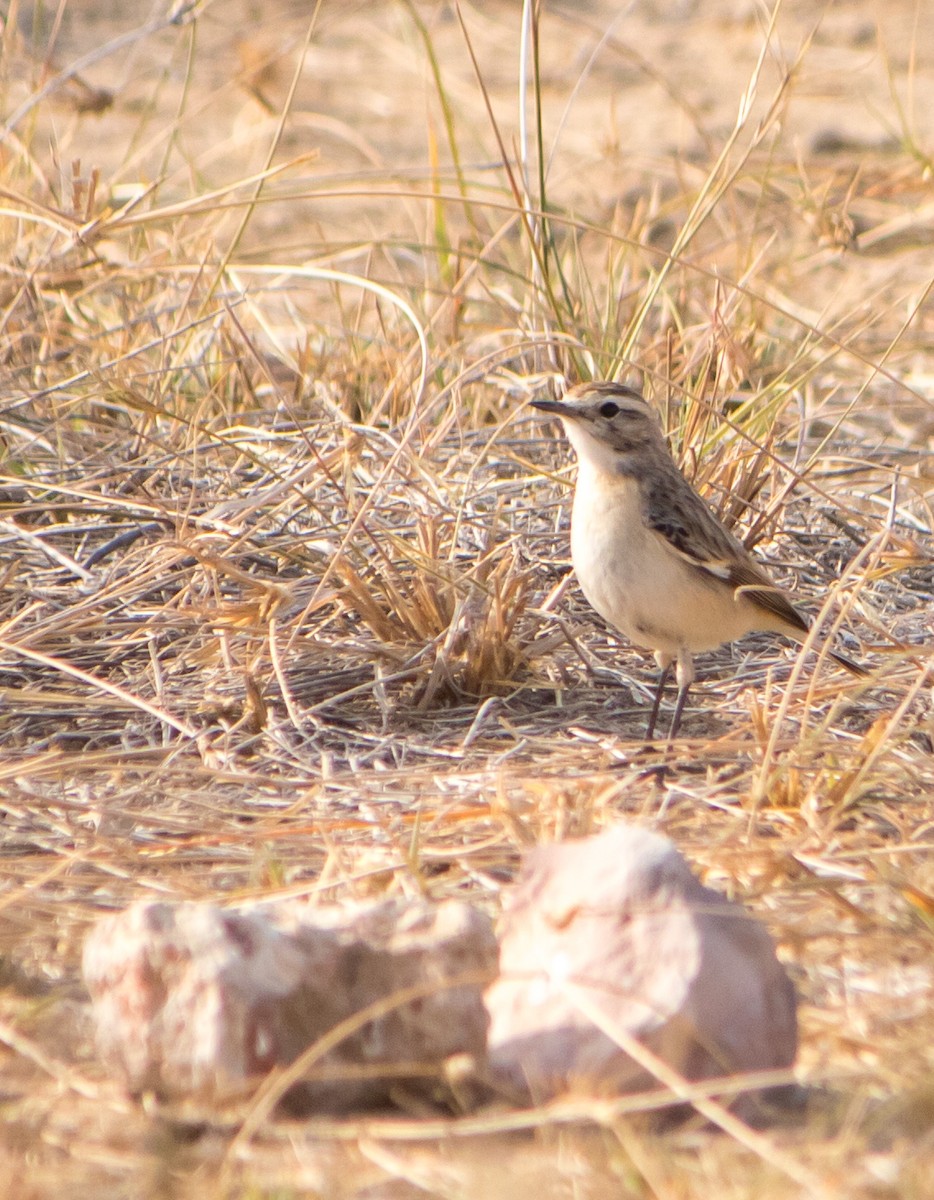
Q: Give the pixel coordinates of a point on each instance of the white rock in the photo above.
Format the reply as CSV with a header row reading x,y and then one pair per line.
x,y
195,1000
610,938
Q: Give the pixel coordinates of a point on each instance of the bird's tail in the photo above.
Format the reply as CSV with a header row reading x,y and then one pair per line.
x,y
853,667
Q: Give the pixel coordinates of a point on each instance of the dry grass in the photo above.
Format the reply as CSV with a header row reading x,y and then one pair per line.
x,y
284,604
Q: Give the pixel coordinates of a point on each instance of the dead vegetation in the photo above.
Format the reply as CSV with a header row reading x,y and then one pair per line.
x,y
285,607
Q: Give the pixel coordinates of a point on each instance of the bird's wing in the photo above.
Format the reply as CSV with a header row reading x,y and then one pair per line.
x,y
677,515
749,577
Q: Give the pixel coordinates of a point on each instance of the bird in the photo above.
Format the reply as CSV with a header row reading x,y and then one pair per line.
x,y
650,556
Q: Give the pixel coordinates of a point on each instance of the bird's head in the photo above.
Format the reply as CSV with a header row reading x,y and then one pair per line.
x,y
607,424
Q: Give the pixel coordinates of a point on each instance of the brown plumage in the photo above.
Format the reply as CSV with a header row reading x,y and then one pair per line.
x,y
650,556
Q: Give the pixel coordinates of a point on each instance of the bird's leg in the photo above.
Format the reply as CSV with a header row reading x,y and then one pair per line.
x,y
679,709
684,673
664,665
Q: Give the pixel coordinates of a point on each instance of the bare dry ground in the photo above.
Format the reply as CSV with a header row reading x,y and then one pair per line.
x,y
286,607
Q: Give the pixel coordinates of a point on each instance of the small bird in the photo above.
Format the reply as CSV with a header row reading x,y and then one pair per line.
x,y
651,557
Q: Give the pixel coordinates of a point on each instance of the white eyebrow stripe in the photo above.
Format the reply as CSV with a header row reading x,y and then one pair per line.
x,y
626,409
632,406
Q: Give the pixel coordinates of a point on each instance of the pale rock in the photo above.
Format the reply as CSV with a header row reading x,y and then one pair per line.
x,y
610,938
191,1000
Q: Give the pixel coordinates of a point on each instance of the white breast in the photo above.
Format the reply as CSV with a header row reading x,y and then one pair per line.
x,y
637,582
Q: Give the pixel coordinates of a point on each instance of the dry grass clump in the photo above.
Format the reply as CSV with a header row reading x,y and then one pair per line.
x,y
285,603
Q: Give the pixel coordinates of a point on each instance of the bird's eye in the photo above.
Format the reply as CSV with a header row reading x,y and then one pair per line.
x,y
609,410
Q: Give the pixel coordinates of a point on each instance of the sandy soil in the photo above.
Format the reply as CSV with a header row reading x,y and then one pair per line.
x,y
637,101
628,92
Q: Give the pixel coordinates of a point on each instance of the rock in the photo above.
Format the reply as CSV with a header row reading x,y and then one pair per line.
x,y
198,1001
612,938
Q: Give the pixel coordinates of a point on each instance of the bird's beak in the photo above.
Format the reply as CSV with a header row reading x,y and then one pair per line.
x,y
558,407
